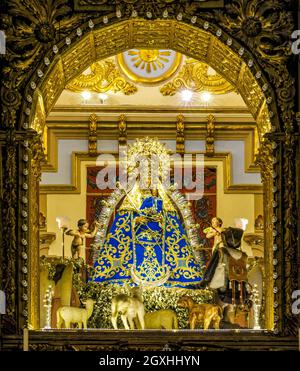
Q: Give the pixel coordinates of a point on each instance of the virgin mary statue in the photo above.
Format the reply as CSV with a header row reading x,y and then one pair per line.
x,y
151,238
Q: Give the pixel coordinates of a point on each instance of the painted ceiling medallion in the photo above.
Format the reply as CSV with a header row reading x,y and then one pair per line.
x,y
149,66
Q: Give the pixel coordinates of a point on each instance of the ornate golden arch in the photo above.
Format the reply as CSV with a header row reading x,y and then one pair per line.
x,y
186,39
158,34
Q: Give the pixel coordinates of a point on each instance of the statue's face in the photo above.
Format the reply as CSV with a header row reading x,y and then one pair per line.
x,y
215,223
84,227
154,192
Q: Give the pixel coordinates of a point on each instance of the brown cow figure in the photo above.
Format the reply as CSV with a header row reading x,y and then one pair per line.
x,y
201,313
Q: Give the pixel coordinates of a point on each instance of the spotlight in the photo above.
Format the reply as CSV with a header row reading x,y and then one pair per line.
x,y
186,95
86,95
241,223
205,97
103,97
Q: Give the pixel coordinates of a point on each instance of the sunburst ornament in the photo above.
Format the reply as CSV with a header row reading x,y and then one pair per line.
x,y
149,66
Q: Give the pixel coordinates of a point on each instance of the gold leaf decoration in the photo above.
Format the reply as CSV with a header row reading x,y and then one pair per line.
x,y
149,66
149,59
195,77
264,26
37,24
104,77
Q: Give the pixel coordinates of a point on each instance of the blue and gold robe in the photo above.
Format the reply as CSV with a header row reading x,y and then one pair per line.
x,y
147,245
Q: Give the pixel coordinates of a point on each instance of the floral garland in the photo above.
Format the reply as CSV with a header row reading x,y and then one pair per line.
x,y
184,207
78,265
105,215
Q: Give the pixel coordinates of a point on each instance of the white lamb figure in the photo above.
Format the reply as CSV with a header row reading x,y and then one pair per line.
x,y
75,315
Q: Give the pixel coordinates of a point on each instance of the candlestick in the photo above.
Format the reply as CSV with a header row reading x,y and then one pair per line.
x,y
63,224
48,305
256,307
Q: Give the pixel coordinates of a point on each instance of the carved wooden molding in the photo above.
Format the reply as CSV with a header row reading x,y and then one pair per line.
x,y
210,136
180,139
122,126
93,135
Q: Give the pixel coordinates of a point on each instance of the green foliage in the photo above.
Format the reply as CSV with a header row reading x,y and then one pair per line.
x,y
78,267
154,298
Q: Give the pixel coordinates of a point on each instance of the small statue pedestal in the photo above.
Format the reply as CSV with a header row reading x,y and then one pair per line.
x,y
46,239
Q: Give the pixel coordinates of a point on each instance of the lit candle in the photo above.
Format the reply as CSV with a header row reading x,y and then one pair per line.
x,y
241,223
63,222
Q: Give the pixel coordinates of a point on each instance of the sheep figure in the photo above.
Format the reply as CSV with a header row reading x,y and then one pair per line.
x,y
75,315
161,319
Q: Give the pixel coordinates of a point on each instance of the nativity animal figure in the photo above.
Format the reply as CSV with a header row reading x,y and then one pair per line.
x,y
201,313
161,319
70,315
131,308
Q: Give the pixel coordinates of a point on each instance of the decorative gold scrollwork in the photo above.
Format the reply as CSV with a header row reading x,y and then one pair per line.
x,y
104,77
195,77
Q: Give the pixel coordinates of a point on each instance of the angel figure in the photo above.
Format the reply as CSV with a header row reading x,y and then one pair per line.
x,y
79,235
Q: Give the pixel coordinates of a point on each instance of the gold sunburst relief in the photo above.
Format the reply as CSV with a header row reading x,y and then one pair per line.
x,y
196,77
103,77
149,66
150,60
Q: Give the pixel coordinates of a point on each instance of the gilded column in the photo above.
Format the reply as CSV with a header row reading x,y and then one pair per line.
x,y
290,276
210,136
93,135
265,162
36,158
122,126
9,257
180,140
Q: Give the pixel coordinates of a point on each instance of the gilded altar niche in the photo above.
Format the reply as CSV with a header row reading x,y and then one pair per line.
x,y
180,141
236,71
94,206
245,33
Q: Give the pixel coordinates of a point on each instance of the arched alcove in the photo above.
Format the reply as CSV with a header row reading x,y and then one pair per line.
x,y
70,60
49,43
